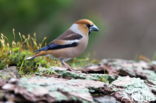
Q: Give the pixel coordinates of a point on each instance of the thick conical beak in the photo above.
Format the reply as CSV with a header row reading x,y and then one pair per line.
x,y
94,28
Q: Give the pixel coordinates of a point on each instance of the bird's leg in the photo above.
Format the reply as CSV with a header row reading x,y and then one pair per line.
x,y
66,65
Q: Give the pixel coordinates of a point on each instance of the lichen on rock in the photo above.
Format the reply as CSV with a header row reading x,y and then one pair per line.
x,y
132,89
38,88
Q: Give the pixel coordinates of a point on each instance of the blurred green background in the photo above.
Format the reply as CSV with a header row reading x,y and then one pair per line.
x,y
46,18
29,16
127,28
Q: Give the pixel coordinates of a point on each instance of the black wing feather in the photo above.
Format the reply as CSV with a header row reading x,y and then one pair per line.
x,y
57,46
68,35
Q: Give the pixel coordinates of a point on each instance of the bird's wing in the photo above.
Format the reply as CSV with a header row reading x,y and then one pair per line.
x,y
70,35
64,41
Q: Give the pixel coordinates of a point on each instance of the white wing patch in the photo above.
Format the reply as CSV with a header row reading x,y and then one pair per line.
x,y
29,58
71,41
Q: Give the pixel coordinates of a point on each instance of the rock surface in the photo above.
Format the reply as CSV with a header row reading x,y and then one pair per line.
x,y
38,89
9,72
128,82
129,89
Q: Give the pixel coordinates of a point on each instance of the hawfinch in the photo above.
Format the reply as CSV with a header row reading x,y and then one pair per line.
x,y
70,44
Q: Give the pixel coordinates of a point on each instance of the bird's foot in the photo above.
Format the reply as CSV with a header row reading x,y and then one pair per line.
x,y
68,67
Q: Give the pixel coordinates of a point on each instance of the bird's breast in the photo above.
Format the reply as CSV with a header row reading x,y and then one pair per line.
x,y
80,48
83,44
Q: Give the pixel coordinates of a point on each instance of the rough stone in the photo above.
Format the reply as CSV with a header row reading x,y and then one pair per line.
x,y
9,72
131,90
37,89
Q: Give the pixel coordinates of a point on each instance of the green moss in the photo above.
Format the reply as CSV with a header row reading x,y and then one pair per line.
x,y
14,54
78,75
45,71
2,64
83,61
16,57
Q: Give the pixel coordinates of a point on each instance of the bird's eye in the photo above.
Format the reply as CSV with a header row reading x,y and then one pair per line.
x,y
88,25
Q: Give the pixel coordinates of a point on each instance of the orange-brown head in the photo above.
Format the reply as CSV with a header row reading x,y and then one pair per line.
x,y
84,26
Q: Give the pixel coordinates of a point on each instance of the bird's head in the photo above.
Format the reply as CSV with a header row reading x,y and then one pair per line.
x,y
84,26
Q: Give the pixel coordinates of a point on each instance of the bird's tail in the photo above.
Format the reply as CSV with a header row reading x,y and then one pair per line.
x,y
41,53
30,58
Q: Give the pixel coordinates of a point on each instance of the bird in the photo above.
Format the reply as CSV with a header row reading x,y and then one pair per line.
x,y
70,44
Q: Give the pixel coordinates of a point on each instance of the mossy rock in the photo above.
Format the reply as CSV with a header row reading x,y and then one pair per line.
x,y
51,90
75,74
